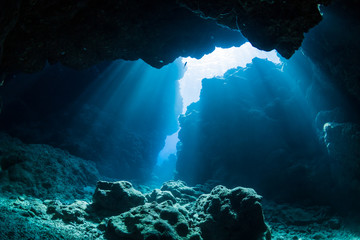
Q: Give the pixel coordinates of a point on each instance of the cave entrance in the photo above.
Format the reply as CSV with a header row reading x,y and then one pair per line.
x,y
209,66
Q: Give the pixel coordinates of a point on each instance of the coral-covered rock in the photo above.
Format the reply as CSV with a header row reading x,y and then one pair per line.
x,y
116,197
75,212
160,196
230,214
152,221
181,191
43,171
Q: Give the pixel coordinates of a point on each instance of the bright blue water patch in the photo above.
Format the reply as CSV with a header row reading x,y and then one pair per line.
x,y
169,148
209,66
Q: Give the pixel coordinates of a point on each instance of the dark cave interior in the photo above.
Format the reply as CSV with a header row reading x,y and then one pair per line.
x,y
91,90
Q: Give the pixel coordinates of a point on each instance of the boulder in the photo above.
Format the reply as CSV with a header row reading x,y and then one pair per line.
x,y
116,197
230,214
181,191
152,221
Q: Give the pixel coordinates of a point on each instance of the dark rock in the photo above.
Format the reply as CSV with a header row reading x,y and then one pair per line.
x,y
267,25
230,214
160,196
83,33
43,171
334,223
335,49
342,141
181,191
116,197
72,213
151,221
242,133
80,34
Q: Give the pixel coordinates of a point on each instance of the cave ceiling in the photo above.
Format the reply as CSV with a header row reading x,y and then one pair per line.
x,y
82,33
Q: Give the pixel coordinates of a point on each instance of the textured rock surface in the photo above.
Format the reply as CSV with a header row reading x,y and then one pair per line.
x,y
152,221
333,46
222,214
24,217
72,213
181,191
116,197
231,214
43,171
79,34
31,218
267,25
343,143
298,222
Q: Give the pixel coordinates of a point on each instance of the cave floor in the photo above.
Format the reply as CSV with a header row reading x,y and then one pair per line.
x,y
25,217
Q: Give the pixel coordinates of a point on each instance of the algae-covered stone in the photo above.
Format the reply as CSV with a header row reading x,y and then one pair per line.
x,y
116,197
151,221
160,196
75,212
181,191
230,214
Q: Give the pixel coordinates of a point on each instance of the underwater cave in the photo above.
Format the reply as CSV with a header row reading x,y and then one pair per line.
x,y
178,119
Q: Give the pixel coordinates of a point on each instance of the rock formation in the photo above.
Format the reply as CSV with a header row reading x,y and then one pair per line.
x,y
43,171
243,133
222,214
80,34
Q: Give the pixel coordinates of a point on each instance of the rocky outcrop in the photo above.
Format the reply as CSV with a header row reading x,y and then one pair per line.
x,y
152,221
27,217
231,214
222,214
267,25
243,133
342,141
43,171
116,197
80,34
334,48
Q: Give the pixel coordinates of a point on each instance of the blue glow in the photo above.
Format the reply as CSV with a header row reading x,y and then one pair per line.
x,y
211,65
169,148
216,64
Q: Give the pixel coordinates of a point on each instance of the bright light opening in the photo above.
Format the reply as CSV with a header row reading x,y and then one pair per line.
x,y
209,66
216,64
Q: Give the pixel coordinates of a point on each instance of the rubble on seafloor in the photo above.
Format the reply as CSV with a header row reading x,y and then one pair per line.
x,y
116,210
164,214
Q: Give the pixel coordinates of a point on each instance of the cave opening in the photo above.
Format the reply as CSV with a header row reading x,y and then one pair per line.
x,y
101,104
211,65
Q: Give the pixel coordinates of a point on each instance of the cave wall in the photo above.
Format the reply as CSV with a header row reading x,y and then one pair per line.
x,y
252,127
116,114
333,46
263,127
